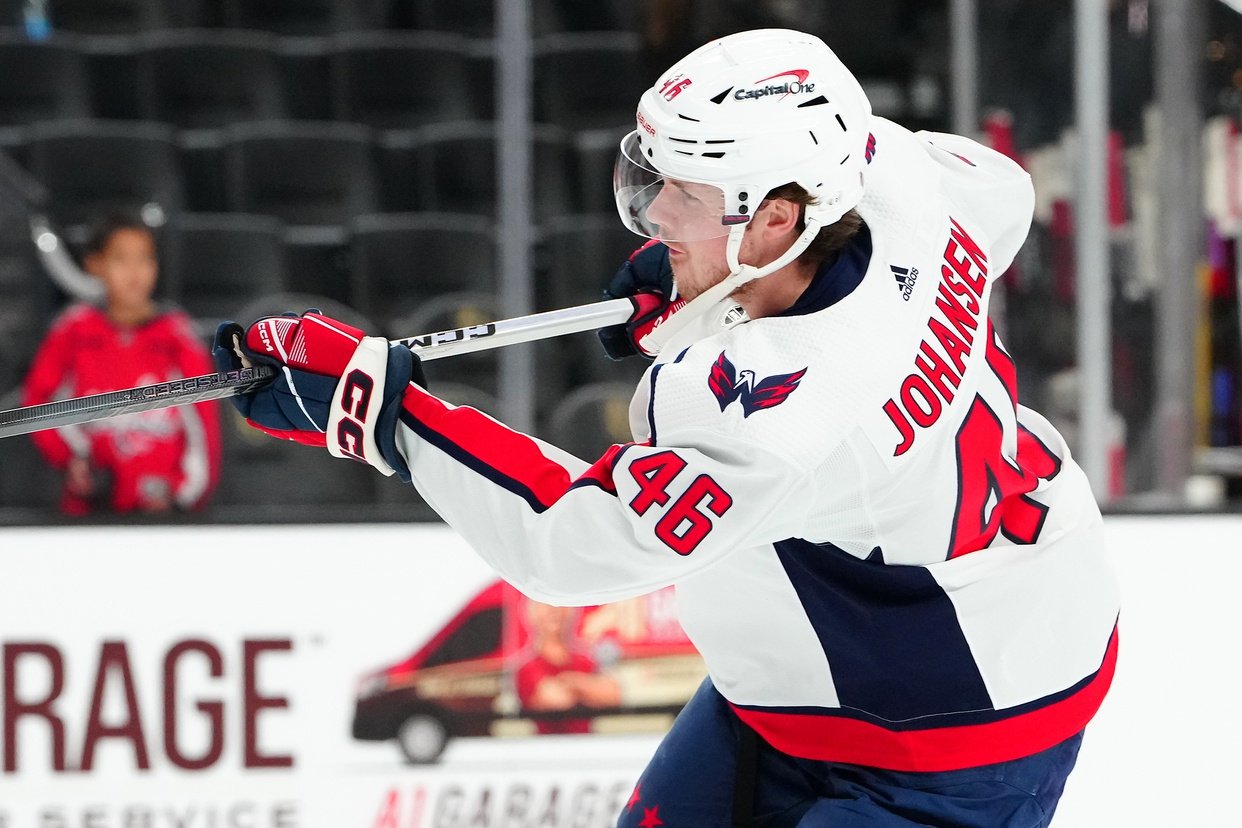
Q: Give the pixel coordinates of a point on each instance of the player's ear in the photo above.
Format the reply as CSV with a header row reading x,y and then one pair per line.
x,y
780,216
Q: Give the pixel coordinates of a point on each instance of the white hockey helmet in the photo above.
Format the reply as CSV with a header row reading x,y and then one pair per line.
x,y
733,120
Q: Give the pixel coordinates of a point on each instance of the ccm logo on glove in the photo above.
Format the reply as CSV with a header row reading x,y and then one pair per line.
x,y
356,390
333,386
265,336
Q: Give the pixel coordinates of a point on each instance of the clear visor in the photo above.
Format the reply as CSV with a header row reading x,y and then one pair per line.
x,y
667,209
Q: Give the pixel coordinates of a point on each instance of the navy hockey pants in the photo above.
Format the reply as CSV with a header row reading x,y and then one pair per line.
x,y
689,783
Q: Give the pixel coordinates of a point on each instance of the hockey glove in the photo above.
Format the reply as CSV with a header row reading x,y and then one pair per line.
x,y
335,387
646,279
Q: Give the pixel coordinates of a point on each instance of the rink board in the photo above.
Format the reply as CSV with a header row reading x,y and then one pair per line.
x,y
209,676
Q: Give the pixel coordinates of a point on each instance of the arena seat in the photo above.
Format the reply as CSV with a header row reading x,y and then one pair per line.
x,y
195,78
215,263
578,254
595,154
399,261
94,166
305,173
304,17
113,17
591,418
473,18
41,81
476,18
451,168
402,80
587,80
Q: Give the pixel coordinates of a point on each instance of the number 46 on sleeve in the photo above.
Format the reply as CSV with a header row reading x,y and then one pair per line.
x,y
688,520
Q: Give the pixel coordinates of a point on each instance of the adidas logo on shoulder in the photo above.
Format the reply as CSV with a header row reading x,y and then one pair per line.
x,y
906,277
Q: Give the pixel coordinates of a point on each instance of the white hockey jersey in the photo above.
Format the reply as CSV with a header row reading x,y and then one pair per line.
x,y
882,558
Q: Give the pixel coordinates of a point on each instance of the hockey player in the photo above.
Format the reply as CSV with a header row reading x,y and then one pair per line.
x,y
894,573
154,461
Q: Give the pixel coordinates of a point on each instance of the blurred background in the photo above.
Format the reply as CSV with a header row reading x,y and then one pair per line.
x,y
416,165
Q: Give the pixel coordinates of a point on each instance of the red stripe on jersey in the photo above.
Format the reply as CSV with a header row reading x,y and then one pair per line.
x,y
837,739
600,473
509,453
511,458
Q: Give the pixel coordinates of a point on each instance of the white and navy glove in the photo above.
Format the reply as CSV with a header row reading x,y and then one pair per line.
x,y
646,279
335,387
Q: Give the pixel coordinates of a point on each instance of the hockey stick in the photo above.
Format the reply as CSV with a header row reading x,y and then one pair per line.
x,y
215,386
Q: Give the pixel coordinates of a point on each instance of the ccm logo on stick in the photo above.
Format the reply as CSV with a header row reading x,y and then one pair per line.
x,y
355,402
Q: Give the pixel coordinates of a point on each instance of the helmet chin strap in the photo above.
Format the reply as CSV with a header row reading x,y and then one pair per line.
x,y
739,274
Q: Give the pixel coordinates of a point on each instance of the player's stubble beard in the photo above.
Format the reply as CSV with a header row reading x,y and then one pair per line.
x,y
701,265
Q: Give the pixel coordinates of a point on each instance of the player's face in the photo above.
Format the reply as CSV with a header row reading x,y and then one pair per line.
x,y
691,211
687,211
697,266
660,207
687,216
128,267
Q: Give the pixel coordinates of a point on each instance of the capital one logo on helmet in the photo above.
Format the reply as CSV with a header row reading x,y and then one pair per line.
x,y
794,87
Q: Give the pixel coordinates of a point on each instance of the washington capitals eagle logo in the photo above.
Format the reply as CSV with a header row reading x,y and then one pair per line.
x,y
729,384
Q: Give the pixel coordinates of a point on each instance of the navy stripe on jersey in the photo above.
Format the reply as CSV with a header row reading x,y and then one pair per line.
x,y
651,425
837,279
955,719
934,744
587,482
890,634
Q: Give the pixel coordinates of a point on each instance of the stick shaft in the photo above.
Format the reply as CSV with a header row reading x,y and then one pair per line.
x,y
520,329
216,386
131,400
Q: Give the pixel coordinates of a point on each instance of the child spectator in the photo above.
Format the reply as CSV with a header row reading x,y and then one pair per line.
x,y
152,461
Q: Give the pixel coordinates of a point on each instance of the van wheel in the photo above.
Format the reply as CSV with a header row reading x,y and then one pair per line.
x,y
422,738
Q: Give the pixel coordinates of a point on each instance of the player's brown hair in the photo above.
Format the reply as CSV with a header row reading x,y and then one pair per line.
x,y
829,241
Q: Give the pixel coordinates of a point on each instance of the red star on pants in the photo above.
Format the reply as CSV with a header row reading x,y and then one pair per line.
x,y
629,806
651,818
